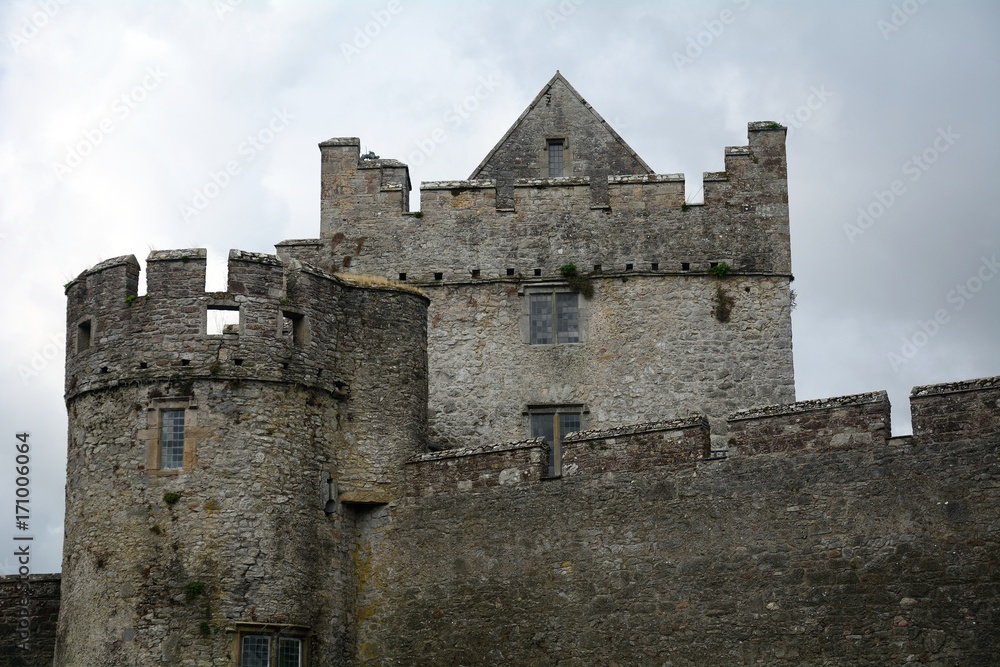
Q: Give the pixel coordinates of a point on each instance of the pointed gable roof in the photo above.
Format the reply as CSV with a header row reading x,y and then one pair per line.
x,y
559,111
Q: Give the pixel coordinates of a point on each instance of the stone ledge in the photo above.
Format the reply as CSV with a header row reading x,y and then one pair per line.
x,y
645,178
342,141
478,184
298,242
474,451
257,257
638,429
179,254
765,411
978,384
551,182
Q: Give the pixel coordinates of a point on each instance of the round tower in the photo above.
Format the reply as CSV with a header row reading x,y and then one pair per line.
x,y
219,447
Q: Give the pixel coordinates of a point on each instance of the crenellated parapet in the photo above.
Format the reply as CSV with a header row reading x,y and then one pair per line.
x,y
944,413
956,411
829,424
290,322
638,447
357,187
641,221
502,464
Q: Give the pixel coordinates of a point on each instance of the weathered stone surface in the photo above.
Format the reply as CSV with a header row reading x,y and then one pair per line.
x,y
320,388
37,619
845,557
847,422
309,500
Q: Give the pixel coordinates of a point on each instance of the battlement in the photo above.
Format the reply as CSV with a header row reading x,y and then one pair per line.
x,y
960,411
502,464
846,422
289,321
956,410
638,219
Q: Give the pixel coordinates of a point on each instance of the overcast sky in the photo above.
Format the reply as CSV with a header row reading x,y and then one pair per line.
x,y
114,117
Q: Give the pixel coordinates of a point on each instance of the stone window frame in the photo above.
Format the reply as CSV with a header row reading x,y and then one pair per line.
x,y
275,633
221,306
553,288
566,161
555,410
152,433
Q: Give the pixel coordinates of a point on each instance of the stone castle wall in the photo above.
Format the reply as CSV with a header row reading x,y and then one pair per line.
x,y
296,419
651,345
41,593
819,541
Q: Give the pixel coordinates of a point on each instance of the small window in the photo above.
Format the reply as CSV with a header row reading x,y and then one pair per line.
x,y
255,651
556,169
293,326
260,648
171,439
289,652
222,320
554,317
83,336
554,424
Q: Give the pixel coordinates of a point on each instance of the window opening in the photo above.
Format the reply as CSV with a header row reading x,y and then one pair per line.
x,y
555,158
293,326
255,651
554,427
83,336
171,439
289,652
554,317
222,320
270,650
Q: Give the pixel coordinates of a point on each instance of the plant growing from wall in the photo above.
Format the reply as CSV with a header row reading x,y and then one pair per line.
x,y
720,270
193,590
577,281
723,304
171,497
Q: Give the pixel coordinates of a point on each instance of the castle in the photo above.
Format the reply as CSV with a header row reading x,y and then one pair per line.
x,y
522,426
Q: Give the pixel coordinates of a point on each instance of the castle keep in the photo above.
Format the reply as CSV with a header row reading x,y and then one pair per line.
x,y
547,419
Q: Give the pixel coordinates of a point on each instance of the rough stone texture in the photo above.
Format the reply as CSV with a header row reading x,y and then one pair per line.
x,y
636,448
321,380
591,147
650,348
503,464
846,422
655,345
951,411
875,556
42,594
309,499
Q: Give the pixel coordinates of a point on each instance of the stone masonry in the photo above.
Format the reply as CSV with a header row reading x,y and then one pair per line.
x,y
351,473
660,337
